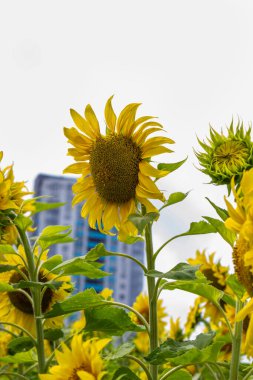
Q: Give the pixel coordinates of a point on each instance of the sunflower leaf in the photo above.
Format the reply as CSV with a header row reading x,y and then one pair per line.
x,y
53,334
226,234
235,285
5,287
51,235
141,221
52,262
121,351
124,373
80,266
31,284
23,222
81,301
199,350
7,249
172,166
181,271
199,286
7,268
20,344
223,214
20,357
43,206
181,374
175,198
110,320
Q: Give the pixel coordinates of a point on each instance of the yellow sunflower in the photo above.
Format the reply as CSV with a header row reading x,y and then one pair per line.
x,y
15,307
142,306
81,361
8,234
115,168
5,338
12,193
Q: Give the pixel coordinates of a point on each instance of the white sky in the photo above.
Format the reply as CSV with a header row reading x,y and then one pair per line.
x,y
188,62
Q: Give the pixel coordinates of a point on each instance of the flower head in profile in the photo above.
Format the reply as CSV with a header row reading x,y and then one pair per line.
x,y
12,193
82,361
15,306
226,156
115,169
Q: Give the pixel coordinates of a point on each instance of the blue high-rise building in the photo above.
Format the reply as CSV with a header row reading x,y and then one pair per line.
x,y
127,277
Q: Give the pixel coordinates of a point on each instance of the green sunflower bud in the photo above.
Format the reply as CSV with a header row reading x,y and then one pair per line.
x,y
228,156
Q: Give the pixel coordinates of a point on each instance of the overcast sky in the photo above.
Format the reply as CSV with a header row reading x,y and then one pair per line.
x,y
188,61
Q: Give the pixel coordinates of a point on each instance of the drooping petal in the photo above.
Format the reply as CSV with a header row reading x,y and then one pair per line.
x,y
154,151
150,171
110,116
127,117
83,125
92,119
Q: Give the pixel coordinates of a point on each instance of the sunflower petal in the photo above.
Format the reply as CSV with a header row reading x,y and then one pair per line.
x,y
110,116
77,168
92,119
154,151
83,125
148,170
127,116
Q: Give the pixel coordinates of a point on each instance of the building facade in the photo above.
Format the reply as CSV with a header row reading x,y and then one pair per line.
x,y
127,277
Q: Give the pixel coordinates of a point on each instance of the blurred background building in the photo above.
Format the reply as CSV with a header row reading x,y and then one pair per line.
x,y
127,277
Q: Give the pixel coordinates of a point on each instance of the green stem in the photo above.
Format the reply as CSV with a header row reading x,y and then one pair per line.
x,y
20,328
247,376
133,259
153,323
226,319
36,296
15,375
211,371
170,371
141,364
236,345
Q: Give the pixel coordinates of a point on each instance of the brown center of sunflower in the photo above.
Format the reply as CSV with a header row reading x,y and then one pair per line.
x,y
230,156
21,302
210,275
242,271
74,375
114,162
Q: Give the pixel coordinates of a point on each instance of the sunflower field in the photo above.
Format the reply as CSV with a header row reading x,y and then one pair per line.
x,y
117,187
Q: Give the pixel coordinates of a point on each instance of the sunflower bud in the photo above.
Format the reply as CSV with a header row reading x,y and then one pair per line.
x,y
228,156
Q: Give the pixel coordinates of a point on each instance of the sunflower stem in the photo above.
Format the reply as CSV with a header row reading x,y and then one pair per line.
x,y
152,299
141,364
236,345
36,296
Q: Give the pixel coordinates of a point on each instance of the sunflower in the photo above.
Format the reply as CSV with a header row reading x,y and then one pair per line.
x,y
81,361
12,193
15,307
5,338
141,305
115,168
228,155
8,234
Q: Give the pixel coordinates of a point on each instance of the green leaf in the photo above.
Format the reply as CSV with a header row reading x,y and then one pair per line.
x,y
43,206
223,214
183,353
124,373
5,287
7,268
110,320
181,374
23,222
32,284
81,301
235,285
133,239
20,344
228,299
226,234
198,228
181,271
7,249
175,198
79,266
120,352
172,166
52,262
53,334
141,221
20,357
199,287
54,235
97,252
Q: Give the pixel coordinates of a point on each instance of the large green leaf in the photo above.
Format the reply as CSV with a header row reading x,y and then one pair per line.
x,y
200,286
97,252
172,166
200,350
20,357
110,320
228,235
181,271
81,301
23,222
54,235
124,373
80,266
53,334
52,262
141,221
120,352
